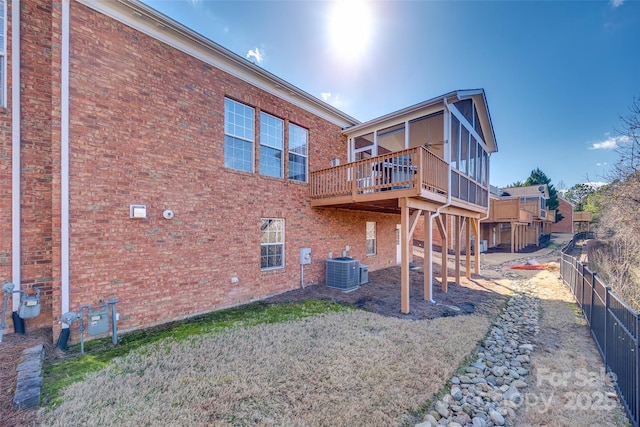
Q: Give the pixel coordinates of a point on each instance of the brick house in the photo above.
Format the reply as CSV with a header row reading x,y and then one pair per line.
x,y
152,165
565,225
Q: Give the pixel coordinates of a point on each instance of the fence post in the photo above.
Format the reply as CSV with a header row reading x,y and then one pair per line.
x,y
581,284
636,396
606,325
593,291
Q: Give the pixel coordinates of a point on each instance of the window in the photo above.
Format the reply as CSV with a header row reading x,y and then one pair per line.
x,y
464,151
271,243
371,238
3,53
455,140
298,153
238,136
271,140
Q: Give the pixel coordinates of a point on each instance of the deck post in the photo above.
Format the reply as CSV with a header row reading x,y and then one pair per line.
x,y
513,237
441,220
467,269
458,237
476,253
428,252
404,247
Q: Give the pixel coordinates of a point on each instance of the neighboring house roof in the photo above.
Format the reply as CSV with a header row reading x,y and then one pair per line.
x,y
159,26
477,95
562,199
529,190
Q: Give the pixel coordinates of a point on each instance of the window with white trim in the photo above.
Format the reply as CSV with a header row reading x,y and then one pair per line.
x,y
271,243
271,142
238,136
298,153
371,238
3,53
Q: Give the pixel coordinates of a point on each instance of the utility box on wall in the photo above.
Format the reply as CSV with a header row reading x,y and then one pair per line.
x,y
98,322
305,256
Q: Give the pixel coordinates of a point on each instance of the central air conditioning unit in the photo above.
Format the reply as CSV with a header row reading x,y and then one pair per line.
x,y
343,273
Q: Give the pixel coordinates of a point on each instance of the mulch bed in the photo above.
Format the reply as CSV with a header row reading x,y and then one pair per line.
x,y
11,349
382,295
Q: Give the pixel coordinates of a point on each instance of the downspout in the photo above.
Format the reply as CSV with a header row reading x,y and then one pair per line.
x,y
64,163
15,151
448,203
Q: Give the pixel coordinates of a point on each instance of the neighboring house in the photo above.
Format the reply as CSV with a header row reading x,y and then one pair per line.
x,y
152,165
582,221
565,225
518,218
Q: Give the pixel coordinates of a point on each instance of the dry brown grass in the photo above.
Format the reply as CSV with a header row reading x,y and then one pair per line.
x,y
350,368
568,385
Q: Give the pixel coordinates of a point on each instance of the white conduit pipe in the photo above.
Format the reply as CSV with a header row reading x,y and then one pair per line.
x,y
15,150
448,203
64,163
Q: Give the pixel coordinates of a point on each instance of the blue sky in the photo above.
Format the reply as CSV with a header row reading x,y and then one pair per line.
x,y
557,75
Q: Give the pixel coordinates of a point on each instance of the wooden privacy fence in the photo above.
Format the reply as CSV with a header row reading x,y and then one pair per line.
x,y
614,325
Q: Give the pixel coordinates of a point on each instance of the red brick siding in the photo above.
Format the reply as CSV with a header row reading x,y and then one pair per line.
x,y
5,175
147,127
36,174
565,225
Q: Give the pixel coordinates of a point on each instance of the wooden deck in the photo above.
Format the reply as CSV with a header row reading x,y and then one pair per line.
x,y
377,184
508,210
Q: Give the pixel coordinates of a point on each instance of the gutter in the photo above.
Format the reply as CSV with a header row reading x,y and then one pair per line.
x,y
448,203
64,163
15,151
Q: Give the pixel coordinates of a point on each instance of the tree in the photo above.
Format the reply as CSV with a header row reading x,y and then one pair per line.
x,y
538,177
578,195
597,200
617,206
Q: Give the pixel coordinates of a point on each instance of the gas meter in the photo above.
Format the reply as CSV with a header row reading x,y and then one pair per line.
x,y
29,305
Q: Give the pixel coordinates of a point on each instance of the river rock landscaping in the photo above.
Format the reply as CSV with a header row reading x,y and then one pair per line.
x,y
487,392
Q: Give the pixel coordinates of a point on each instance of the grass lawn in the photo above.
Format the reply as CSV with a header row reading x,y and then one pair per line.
x,y
308,363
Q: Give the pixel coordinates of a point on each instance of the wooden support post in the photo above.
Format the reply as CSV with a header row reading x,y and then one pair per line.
x,y
513,237
475,224
428,252
458,238
405,247
413,222
442,227
467,270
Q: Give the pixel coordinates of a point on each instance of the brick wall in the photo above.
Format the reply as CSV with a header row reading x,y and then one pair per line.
x,y
36,160
565,225
147,128
5,181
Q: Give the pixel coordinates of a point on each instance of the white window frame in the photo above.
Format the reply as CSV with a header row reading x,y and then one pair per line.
x,y
371,228
272,243
265,142
249,129
304,155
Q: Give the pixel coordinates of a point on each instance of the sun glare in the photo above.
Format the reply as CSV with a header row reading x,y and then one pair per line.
x,y
350,28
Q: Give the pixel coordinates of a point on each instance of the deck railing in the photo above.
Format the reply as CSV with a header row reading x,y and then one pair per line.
x,y
416,168
582,216
614,325
508,210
